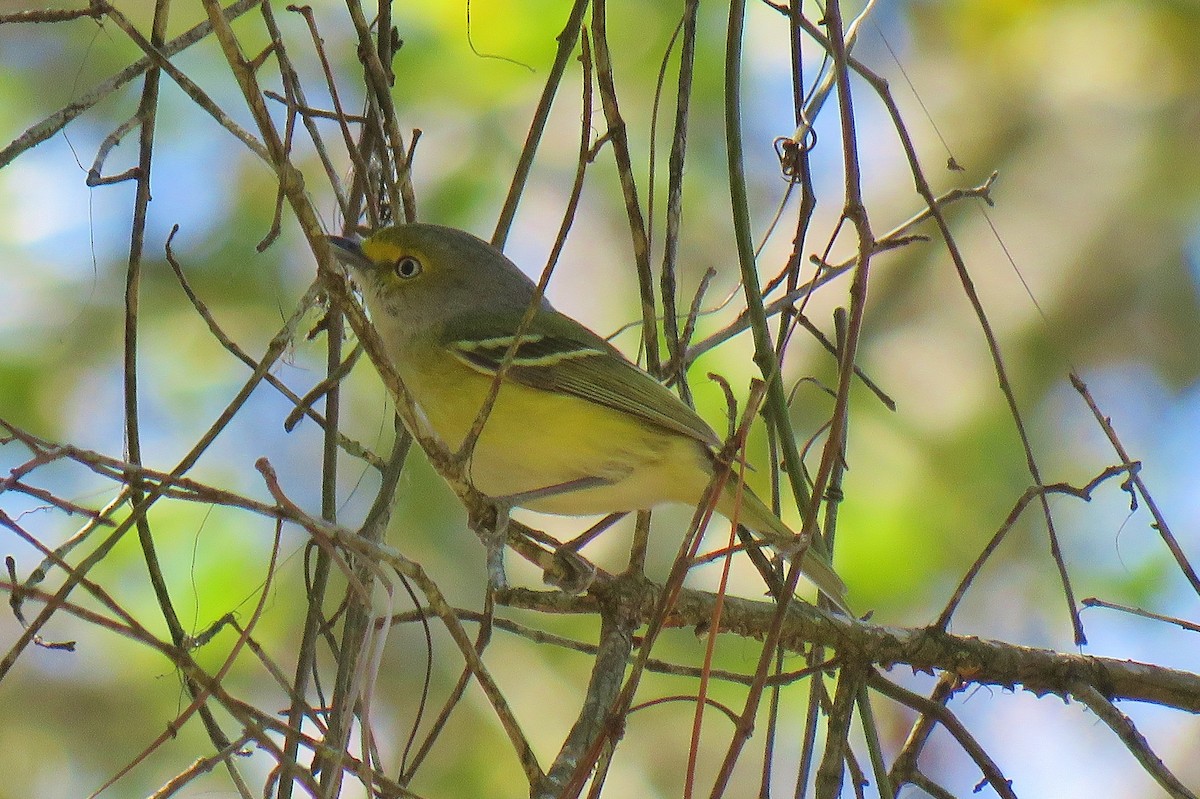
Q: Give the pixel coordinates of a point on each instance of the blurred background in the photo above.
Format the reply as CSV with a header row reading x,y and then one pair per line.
x,y
1088,261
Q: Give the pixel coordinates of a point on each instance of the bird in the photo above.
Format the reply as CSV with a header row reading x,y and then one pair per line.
x,y
576,428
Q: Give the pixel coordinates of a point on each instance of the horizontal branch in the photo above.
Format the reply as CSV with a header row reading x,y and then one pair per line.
x,y
979,660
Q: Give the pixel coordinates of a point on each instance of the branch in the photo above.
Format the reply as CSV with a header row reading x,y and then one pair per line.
x,y
566,45
1134,741
608,671
325,534
63,116
983,661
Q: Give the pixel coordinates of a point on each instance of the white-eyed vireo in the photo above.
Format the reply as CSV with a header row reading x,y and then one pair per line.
x,y
576,429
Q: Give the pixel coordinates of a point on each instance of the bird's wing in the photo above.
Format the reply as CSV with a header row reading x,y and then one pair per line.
x,y
559,354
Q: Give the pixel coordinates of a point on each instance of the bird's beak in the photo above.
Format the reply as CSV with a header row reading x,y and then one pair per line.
x,y
349,253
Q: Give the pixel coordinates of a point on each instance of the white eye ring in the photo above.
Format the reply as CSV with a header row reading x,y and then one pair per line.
x,y
407,267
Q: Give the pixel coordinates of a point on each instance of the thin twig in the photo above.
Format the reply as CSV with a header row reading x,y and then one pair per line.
x,y
275,349
94,10
537,125
201,694
200,767
95,176
61,118
156,52
379,83
1160,522
674,212
904,766
1134,741
880,87
303,405
829,272
326,534
633,211
296,102
1093,602
1082,492
829,773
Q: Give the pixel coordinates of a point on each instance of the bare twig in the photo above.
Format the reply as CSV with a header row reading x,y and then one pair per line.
x,y
831,271
674,213
1082,492
94,10
154,50
1134,741
612,656
303,404
904,766
880,87
633,210
830,771
1093,602
537,125
327,534
1160,522
61,118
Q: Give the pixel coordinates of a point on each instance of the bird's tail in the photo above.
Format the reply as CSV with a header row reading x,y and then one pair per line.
x,y
754,514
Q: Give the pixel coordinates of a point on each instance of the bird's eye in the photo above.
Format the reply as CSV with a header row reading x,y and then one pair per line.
x,y
407,267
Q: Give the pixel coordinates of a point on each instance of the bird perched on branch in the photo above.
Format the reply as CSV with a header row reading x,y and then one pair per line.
x,y
575,429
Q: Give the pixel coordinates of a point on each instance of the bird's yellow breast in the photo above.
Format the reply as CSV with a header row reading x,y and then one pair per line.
x,y
534,440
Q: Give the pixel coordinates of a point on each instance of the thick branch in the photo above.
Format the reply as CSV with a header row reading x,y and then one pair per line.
x,y
982,661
